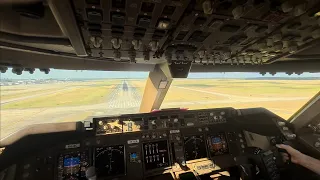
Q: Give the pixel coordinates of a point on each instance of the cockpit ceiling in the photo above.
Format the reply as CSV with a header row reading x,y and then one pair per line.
x,y
209,35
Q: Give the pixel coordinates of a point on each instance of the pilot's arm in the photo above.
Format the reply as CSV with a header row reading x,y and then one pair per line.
x,y
299,158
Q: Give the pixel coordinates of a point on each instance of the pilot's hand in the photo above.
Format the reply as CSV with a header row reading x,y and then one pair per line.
x,y
295,155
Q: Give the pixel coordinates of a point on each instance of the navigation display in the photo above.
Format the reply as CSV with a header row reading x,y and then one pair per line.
x,y
194,147
218,144
73,165
110,160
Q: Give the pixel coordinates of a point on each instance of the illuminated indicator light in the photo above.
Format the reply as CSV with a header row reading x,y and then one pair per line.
x,y
163,24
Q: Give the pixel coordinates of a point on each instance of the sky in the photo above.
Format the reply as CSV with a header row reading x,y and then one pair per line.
x,y
70,74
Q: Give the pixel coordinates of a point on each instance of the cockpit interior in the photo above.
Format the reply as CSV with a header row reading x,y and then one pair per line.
x,y
169,39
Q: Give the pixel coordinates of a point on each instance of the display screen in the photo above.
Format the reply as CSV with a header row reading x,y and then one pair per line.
x,y
110,161
132,126
194,147
108,126
156,155
134,157
218,144
71,162
73,165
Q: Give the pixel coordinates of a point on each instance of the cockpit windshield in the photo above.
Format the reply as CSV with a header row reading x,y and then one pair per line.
x,y
69,95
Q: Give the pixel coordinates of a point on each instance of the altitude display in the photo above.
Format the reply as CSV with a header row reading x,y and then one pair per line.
x,y
156,155
110,161
194,147
218,144
73,165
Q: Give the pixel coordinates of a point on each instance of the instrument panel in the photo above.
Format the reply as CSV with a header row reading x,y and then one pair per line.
x,y
143,145
156,155
195,147
156,142
109,160
154,121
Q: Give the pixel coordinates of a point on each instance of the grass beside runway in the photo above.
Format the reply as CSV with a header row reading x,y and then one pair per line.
x,y
261,88
251,89
176,94
18,94
75,96
18,91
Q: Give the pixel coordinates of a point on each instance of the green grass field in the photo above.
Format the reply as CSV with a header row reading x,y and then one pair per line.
x,y
19,93
73,94
194,90
255,87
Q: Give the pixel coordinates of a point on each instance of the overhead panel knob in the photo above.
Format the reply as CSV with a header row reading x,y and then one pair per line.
x,y
154,45
3,69
116,43
198,61
292,49
17,71
136,44
45,70
285,128
226,55
292,136
96,41
30,70
201,54
262,46
278,47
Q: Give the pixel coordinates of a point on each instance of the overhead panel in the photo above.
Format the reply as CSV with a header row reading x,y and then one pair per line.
x,y
210,33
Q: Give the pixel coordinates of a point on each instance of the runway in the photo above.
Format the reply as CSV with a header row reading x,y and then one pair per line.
x,y
124,95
